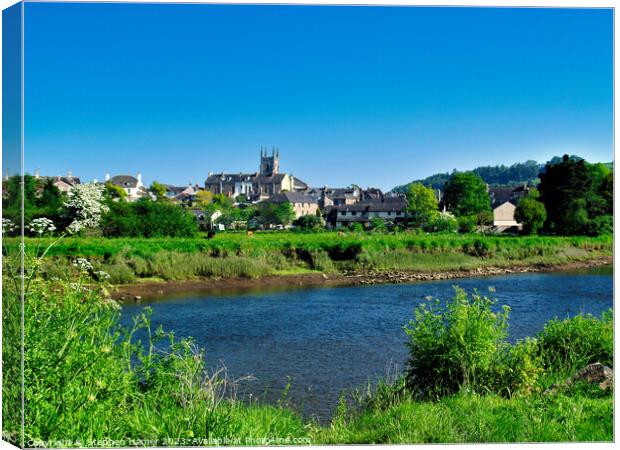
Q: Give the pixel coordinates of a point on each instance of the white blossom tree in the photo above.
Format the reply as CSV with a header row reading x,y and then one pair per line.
x,y
85,206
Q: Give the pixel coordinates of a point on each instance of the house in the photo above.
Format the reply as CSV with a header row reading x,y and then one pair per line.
x,y
188,194
301,202
64,184
344,196
391,209
132,185
504,216
504,202
256,186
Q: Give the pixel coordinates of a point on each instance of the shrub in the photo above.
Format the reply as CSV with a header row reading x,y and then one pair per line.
x,y
454,347
570,344
467,224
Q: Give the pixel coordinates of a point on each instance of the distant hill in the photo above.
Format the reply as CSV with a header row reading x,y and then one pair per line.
x,y
496,176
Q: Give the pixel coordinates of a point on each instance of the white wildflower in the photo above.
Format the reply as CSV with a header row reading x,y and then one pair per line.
x,y
7,226
83,265
75,227
41,226
102,275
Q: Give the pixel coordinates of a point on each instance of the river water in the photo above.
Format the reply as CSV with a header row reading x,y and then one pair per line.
x,y
327,340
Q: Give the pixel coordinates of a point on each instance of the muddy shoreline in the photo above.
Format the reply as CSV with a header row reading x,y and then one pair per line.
x,y
231,286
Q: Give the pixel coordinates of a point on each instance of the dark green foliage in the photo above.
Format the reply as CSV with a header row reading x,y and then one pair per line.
x,y
466,194
146,218
575,193
308,222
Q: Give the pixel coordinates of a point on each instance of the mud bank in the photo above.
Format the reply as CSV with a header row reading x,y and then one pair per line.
x,y
229,286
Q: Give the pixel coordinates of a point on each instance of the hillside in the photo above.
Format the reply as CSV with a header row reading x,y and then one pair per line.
x,y
514,175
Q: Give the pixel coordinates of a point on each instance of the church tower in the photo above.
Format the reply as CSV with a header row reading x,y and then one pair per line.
x,y
269,165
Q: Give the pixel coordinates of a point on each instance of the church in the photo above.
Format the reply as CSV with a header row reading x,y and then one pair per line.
x,y
259,185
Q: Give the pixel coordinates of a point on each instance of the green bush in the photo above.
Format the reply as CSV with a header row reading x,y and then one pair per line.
x,y
454,347
568,345
467,224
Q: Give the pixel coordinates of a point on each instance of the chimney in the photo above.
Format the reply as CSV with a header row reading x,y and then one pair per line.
x,y
37,174
69,174
139,177
107,176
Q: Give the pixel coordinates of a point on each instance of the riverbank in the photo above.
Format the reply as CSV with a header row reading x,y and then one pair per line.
x,y
153,289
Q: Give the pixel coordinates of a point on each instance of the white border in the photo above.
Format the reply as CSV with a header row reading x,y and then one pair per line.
x,y
444,3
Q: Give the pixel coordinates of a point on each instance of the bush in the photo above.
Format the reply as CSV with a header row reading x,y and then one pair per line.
x,y
570,344
147,218
467,224
454,347
601,225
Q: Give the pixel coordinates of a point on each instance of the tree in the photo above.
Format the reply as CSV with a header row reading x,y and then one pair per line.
x,y
114,192
276,213
204,198
308,222
531,213
422,204
159,190
85,206
466,194
574,193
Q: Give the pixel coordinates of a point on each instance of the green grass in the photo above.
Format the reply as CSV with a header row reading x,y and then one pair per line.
x,y
471,419
239,255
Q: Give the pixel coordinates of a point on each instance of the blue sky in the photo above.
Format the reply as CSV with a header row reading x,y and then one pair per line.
x,y
365,95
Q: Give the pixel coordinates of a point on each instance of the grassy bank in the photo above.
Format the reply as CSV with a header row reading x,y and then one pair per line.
x,y
238,255
91,382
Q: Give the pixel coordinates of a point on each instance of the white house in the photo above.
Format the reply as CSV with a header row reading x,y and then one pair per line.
x,y
133,186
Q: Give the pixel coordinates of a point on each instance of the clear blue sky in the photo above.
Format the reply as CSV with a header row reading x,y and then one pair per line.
x,y
365,95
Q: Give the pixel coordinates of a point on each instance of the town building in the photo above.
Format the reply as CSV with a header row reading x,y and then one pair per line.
x,y
302,203
504,202
64,184
132,185
256,186
390,209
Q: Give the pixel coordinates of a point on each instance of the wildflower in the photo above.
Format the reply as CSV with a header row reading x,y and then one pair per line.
x,y
106,349
83,265
7,226
102,275
75,227
41,226
91,398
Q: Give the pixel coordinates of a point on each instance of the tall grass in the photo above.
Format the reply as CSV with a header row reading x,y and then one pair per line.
x,y
239,255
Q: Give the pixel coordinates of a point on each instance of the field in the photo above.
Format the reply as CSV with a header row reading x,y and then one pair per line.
x,y
127,260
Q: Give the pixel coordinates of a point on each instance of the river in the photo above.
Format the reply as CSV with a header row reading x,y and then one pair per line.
x,y
327,340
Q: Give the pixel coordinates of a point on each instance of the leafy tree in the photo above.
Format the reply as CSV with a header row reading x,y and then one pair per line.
x,y
308,222
222,201
575,193
531,213
114,192
276,213
204,198
159,190
466,194
422,204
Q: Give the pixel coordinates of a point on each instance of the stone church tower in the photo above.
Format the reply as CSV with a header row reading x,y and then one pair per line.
x,y
269,165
